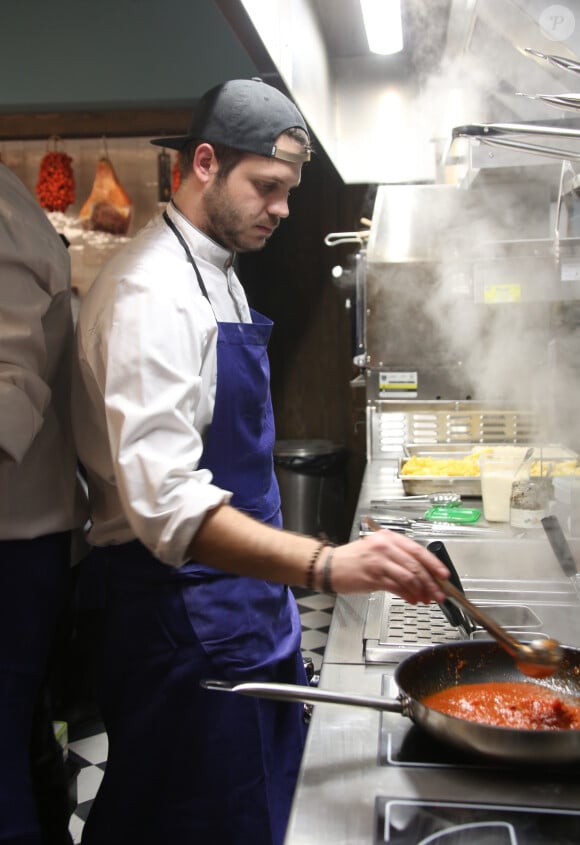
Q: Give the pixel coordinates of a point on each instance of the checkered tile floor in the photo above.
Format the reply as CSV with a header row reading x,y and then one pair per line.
x,y
315,615
88,750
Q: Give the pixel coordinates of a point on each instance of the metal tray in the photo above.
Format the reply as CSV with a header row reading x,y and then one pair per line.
x,y
417,485
468,485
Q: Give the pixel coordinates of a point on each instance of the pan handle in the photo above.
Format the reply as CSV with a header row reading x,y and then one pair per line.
x,y
311,695
457,617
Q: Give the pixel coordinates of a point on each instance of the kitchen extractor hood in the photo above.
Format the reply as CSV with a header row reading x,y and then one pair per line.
x,y
389,119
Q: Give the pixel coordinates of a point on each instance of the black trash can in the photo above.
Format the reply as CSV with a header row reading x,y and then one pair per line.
x,y
312,479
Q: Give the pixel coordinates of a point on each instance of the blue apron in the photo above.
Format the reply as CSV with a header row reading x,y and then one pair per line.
x,y
188,765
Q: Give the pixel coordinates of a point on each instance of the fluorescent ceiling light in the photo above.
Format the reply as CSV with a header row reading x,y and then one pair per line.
x,y
383,25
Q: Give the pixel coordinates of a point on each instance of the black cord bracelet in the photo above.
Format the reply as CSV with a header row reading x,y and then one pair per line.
x,y
326,579
310,571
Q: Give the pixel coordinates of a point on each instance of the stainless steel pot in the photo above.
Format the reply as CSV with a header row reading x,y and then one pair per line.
x,y
438,667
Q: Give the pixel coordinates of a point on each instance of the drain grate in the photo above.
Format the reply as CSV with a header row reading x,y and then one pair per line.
x,y
405,624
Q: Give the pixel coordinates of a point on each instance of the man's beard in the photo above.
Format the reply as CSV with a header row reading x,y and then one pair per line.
x,y
226,224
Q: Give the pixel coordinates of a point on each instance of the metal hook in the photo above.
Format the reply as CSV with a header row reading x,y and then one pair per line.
x,y
335,238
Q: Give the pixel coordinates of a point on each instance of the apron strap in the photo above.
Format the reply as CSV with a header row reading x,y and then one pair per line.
x,y
187,251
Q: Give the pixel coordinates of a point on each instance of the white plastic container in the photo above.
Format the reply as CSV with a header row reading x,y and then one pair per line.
x,y
497,477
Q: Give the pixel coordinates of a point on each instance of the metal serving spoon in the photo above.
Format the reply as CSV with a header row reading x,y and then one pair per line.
x,y
537,659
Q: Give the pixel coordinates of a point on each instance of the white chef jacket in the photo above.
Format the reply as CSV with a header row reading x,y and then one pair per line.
x,y
39,492
145,385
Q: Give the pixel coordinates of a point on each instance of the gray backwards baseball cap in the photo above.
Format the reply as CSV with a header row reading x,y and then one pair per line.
x,y
246,114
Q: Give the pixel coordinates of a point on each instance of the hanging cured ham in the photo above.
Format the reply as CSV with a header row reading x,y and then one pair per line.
x,y
108,207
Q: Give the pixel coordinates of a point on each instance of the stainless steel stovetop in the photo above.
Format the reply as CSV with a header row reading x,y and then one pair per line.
x,y
476,804
456,823
458,819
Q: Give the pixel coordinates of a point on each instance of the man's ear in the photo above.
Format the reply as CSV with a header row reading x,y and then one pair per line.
x,y
205,164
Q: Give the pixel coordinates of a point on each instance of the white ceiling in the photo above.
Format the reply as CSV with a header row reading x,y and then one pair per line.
x,y
379,116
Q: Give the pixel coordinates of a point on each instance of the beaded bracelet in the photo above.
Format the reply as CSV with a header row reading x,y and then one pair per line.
x,y
310,571
326,579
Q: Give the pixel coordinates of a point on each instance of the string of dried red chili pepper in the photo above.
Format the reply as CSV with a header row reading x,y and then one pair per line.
x,y
55,187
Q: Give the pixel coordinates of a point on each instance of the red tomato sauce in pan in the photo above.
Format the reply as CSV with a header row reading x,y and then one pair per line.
x,y
507,704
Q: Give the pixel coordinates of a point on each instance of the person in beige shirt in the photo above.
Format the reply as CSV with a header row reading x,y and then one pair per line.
x,y
41,502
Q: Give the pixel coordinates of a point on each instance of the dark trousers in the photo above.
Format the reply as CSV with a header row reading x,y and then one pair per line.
x,y
34,585
186,765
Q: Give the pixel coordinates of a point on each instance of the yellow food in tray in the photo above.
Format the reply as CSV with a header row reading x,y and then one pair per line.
x,y
426,465
555,468
468,466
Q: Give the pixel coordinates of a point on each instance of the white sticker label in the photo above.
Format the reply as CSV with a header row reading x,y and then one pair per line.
x,y
398,385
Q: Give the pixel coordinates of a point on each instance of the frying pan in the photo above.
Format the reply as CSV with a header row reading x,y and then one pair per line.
x,y
436,668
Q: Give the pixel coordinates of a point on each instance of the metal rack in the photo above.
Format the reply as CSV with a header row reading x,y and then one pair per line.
x,y
390,425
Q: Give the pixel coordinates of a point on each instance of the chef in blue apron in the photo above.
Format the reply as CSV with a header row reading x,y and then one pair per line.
x,y
174,424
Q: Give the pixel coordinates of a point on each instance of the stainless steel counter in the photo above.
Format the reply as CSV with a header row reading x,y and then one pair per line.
x,y
342,773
